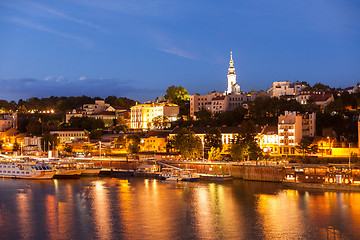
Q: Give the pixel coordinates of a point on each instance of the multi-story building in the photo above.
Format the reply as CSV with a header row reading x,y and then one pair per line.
x,y
142,115
69,136
292,127
269,139
32,145
320,98
154,141
7,121
285,88
98,107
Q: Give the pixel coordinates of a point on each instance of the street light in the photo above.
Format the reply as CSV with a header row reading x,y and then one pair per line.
x,y
100,148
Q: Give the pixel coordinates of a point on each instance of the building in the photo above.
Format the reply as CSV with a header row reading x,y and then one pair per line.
x,y
143,116
108,117
32,145
320,98
155,141
98,107
7,121
69,136
292,127
285,88
269,139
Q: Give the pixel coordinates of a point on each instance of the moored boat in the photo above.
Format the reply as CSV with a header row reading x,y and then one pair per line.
x,y
26,170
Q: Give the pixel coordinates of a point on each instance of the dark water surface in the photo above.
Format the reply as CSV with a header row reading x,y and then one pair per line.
x,y
111,208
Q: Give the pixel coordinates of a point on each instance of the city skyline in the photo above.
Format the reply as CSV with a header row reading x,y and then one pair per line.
x,y
137,50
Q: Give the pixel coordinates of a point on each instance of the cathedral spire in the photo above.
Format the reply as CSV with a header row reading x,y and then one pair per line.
x,y
231,68
231,76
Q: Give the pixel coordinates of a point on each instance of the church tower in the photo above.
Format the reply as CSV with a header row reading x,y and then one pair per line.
x,y
231,75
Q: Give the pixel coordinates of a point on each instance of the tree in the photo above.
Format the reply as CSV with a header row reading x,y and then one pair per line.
x,y
87,149
188,144
95,134
133,143
49,142
304,147
16,146
215,154
160,122
179,95
34,127
237,151
212,139
68,148
176,94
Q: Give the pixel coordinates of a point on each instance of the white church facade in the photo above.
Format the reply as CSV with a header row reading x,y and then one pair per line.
x,y
217,102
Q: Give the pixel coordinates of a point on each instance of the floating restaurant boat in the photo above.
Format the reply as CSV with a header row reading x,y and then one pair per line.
x,y
169,174
26,170
189,175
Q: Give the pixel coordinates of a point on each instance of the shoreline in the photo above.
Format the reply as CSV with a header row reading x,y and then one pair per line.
x,y
323,186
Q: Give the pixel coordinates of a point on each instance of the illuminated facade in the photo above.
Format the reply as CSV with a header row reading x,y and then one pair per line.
x,y
142,115
285,88
292,127
69,136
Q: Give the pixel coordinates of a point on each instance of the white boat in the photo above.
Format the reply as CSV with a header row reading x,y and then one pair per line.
x,y
170,174
189,175
26,170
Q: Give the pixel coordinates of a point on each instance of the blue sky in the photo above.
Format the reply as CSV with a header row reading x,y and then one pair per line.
x,y
137,49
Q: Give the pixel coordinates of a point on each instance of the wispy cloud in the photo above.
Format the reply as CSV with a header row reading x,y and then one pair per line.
x,y
67,17
43,28
177,52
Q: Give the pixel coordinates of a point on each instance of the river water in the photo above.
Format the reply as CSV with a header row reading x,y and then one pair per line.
x,y
134,208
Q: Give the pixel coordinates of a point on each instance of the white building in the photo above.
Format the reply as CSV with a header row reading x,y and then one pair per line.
x,y
285,88
98,107
69,136
142,115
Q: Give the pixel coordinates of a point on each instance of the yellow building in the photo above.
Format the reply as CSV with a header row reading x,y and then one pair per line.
x,y
143,116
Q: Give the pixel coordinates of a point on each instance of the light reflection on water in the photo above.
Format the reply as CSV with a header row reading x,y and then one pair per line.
x,y
110,208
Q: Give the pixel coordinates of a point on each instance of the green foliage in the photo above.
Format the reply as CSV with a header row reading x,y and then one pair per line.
x,y
305,147
176,94
49,142
188,144
68,148
87,149
16,146
96,134
133,143
87,123
215,154
34,127
237,151
160,122
212,139
122,102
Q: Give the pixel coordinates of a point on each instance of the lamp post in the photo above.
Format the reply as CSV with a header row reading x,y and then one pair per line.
x,y
100,148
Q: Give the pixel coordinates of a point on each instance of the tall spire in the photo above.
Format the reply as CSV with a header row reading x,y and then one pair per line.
x,y
231,68
231,76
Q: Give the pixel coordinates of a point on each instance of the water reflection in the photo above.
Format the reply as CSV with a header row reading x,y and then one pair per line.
x,y
101,210
24,210
110,208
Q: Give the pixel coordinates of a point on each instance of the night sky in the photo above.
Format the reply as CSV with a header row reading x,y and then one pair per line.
x,y
137,49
